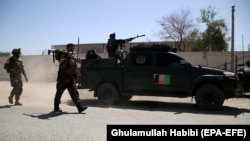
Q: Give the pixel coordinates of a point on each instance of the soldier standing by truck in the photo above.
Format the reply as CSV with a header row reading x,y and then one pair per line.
x,y
14,66
66,79
113,44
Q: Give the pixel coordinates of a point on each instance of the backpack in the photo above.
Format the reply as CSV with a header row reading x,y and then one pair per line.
x,y
7,67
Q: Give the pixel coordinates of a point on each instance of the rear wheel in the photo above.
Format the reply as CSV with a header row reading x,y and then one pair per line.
x,y
209,97
107,93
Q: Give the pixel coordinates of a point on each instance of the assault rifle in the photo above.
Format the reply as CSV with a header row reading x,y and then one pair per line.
x,y
57,54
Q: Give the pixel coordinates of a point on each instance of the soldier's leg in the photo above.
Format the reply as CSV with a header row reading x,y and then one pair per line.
x,y
12,94
19,92
75,97
74,94
15,89
59,91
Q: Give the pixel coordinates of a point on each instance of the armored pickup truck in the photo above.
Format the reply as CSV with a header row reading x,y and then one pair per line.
x,y
157,70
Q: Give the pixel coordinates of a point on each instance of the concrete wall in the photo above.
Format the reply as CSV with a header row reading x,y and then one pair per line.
x,y
41,67
214,59
38,68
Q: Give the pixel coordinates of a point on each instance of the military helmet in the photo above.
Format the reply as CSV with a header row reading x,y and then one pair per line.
x,y
16,51
112,35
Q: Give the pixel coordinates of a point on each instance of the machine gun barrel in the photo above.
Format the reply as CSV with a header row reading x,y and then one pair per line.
x,y
132,38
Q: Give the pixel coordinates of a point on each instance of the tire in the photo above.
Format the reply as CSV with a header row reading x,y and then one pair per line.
x,y
209,97
125,97
107,93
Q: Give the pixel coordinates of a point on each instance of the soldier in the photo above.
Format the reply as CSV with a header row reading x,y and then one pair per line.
x,y
14,66
66,79
113,44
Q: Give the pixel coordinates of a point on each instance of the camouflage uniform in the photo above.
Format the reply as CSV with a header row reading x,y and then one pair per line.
x,y
66,79
15,69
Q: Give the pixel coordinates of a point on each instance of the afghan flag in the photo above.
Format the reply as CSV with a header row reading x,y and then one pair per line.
x,y
162,79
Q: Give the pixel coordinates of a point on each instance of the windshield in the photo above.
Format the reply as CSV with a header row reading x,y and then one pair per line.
x,y
180,59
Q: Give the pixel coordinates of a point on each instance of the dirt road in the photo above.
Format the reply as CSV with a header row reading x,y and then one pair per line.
x,y
34,120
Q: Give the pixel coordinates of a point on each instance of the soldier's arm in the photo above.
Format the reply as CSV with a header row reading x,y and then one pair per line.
x,y
23,71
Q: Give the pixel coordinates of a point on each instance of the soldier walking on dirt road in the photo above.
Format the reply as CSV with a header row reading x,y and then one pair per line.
x,y
14,66
66,79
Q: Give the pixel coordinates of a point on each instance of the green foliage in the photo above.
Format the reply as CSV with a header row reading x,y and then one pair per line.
x,y
214,37
198,45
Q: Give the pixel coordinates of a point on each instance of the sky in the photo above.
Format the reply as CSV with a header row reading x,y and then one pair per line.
x,y
36,25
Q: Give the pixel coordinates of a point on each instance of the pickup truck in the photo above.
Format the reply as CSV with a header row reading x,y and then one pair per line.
x,y
157,70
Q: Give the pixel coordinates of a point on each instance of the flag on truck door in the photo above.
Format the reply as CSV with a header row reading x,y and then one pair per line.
x,y
162,79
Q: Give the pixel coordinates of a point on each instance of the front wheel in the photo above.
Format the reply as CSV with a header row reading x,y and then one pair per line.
x,y
209,97
107,93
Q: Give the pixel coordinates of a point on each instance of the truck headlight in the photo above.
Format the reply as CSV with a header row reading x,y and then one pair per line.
x,y
226,73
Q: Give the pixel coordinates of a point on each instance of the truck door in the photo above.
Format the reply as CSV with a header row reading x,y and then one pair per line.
x,y
138,71
170,75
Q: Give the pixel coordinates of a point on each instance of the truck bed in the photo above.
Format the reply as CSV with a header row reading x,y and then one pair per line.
x,y
96,70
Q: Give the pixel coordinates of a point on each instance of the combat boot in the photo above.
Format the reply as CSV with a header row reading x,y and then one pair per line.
x,y
57,109
80,108
18,103
10,99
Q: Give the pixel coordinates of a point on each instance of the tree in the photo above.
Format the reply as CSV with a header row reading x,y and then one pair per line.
x,y
177,27
195,38
214,37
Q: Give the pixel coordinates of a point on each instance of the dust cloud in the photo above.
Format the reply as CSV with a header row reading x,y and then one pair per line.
x,y
40,68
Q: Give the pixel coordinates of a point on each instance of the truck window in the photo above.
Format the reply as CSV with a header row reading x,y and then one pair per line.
x,y
141,59
167,59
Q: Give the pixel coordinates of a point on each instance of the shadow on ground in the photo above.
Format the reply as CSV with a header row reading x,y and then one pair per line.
x,y
6,106
48,116
175,107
